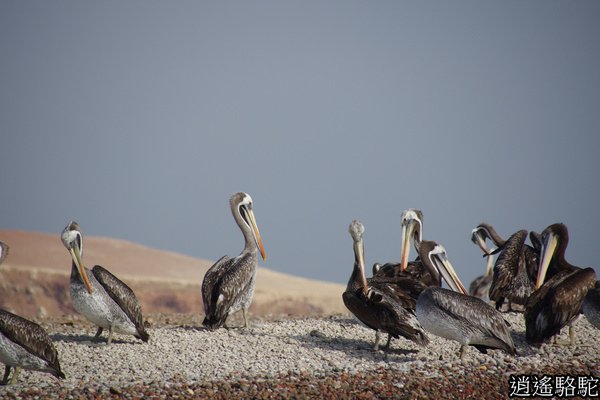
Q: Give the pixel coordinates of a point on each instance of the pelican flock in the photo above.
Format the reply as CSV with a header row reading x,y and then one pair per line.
x,y
401,299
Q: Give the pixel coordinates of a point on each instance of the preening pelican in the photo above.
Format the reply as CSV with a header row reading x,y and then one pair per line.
x,y
480,286
379,305
100,296
228,285
456,316
560,290
514,270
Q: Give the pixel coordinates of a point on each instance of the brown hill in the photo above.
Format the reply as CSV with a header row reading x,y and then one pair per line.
x,y
35,277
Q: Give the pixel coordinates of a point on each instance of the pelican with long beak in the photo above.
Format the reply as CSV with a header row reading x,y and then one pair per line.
x,y
228,285
454,315
380,306
480,286
99,296
560,290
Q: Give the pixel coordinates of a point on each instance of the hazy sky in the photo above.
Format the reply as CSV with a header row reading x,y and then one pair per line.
x,y
139,119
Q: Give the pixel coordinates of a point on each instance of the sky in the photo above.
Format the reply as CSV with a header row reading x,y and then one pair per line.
x,y
139,119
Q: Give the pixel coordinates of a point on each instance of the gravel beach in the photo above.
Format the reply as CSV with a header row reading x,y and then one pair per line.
x,y
289,358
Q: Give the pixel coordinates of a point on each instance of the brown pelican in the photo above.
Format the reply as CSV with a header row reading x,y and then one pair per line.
x,y
480,286
379,305
560,290
591,305
25,344
456,316
3,252
99,295
228,285
515,268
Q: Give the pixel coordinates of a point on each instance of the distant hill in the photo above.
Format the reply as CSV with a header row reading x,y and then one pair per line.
x,y
34,279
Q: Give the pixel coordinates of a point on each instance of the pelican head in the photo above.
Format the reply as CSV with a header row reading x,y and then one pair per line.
x,y
241,206
3,252
438,257
412,226
73,240
551,237
479,236
357,230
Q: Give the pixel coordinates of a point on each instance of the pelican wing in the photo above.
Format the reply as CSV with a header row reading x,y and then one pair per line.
x,y
211,278
123,296
31,337
223,283
556,303
507,265
475,314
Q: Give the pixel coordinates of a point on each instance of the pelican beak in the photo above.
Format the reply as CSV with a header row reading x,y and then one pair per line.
x,y
74,250
256,233
448,272
407,234
548,248
478,239
359,251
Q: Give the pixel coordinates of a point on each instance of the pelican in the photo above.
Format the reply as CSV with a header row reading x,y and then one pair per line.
x,y
591,305
480,286
100,296
25,344
412,227
379,305
515,268
3,252
228,285
456,316
560,290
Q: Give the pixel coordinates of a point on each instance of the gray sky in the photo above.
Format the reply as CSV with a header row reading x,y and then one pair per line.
x,y
139,119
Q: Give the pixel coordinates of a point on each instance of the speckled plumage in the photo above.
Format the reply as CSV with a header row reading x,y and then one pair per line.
x,y
111,304
465,319
558,301
383,306
25,344
228,286
514,271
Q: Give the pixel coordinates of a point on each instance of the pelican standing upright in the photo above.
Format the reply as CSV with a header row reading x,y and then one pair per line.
x,y
228,285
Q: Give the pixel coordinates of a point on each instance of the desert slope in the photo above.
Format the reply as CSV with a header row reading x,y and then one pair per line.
x,y
34,279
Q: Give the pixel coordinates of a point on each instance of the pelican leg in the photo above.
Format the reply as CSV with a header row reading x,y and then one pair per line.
x,y
15,375
6,373
98,333
387,345
571,336
377,337
246,320
110,333
463,351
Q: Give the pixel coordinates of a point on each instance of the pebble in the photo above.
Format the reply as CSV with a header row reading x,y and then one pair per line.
x,y
310,347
